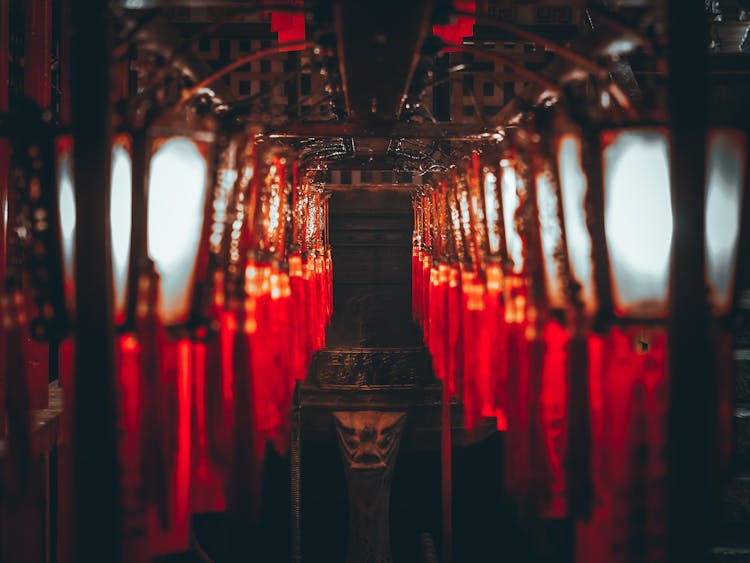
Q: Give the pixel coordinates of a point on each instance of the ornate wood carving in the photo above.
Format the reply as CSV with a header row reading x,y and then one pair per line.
x,y
369,442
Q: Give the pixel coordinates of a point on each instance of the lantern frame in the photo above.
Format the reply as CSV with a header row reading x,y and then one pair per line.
x,y
126,139
590,139
202,131
266,246
541,155
742,242
490,164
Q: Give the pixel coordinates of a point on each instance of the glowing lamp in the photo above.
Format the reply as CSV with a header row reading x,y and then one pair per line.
x,y
66,207
573,190
121,222
493,212
551,240
512,189
179,183
725,184
638,219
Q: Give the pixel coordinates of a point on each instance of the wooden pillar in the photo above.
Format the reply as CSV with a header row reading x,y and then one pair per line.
x,y
692,412
65,446
96,487
4,177
38,51
38,87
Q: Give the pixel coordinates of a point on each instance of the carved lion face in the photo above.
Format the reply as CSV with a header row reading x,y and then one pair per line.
x,y
369,439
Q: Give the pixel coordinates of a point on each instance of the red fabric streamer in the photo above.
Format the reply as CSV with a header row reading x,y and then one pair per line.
x,y
129,382
322,298
553,401
425,306
207,481
593,536
478,387
416,285
329,283
298,318
313,307
496,333
169,527
454,347
628,380
245,477
439,341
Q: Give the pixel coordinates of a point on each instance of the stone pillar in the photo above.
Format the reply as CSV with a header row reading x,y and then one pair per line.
x,y
369,443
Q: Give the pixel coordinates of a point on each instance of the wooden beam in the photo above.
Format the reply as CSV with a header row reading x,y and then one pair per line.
x,y
379,43
390,129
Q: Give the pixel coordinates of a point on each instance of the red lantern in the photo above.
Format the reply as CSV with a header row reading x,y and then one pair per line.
x,y
624,215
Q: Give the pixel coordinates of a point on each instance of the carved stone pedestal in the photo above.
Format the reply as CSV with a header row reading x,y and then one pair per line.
x,y
369,443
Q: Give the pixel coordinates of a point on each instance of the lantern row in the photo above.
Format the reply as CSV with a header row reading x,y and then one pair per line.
x,y
221,291
541,280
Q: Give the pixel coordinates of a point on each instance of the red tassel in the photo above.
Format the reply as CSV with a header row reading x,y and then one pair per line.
x,y
322,298
313,306
553,400
135,541
478,382
207,489
172,534
517,470
497,353
329,283
298,319
220,393
654,378
629,449
593,536
245,479
454,350
437,319
425,292
416,285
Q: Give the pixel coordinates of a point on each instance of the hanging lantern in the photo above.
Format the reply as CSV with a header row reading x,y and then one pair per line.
x,y
66,206
180,174
574,188
616,216
121,222
496,263
725,187
637,219
726,180
560,372
512,190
